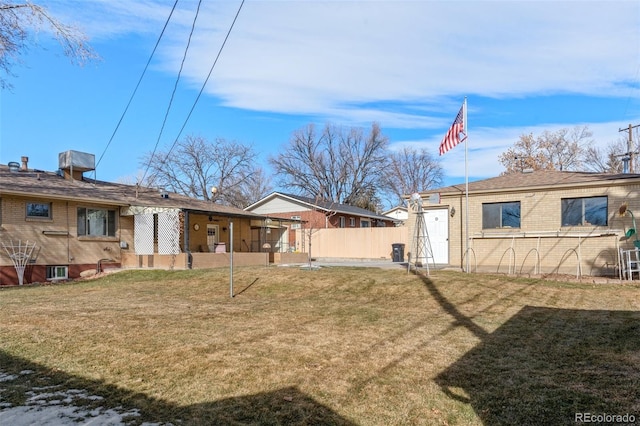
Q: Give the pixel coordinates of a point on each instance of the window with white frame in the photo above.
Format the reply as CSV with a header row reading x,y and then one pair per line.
x,y
352,222
295,225
57,273
342,222
365,223
96,222
584,211
37,210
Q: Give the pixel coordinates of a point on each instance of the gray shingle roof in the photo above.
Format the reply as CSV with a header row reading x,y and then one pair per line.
x,y
337,207
53,186
538,179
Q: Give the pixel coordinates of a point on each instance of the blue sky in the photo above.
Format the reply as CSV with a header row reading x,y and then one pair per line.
x,y
524,66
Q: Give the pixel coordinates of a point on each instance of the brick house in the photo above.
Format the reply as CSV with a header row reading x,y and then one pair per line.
x,y
532,222
308,213
74,224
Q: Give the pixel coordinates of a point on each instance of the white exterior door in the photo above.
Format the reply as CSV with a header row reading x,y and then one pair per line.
x,y
212,237
437,223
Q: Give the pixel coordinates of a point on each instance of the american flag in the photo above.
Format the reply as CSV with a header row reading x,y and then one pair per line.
x,y
452,138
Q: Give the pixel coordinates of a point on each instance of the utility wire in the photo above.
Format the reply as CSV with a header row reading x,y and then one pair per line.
x,y
138,85
201,90
175,87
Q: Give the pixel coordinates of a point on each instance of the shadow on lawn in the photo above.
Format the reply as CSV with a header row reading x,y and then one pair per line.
x,y
29,385
545,365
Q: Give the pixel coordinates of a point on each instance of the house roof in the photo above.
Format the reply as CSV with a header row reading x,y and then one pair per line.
x,y
50,185
322,205
396,208
538,180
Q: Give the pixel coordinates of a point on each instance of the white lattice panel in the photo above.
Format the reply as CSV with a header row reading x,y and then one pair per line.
x,y
143,233
169,232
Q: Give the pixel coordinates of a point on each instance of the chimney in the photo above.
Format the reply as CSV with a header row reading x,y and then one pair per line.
x,y
25,161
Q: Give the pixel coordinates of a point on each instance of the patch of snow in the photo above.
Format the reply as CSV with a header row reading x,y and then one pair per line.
x,y
4,377
46,406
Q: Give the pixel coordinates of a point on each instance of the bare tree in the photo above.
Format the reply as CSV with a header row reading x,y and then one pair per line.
x,y
18,20
610,158
315,223
408,171
339,165
560,150
195,165
606,160
253,188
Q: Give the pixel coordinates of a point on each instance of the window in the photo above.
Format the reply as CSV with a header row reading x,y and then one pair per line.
x,y
352,221
96,222
365,223
57,273
39,210
295,225
342,222
501,215
584,211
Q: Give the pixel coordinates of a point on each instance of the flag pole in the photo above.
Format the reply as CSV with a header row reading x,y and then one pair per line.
x,y
466,181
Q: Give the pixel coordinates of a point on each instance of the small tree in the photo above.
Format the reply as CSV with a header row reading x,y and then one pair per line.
x,y
313,225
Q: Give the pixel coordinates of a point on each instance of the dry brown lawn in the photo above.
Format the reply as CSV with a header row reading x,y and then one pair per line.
x,y
359,346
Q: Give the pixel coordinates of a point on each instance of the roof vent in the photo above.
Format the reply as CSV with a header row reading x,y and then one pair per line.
x,y
14,166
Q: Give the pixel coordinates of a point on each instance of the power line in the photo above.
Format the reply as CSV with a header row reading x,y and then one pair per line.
x,y
139,81
200,92
175,87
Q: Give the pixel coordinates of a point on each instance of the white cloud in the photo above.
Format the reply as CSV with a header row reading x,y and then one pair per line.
x,y
322,57
396,62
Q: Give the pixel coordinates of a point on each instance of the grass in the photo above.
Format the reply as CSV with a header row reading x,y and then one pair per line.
x,y
331,346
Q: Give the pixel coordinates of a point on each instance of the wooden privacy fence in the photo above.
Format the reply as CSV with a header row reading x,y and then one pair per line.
x,y
353,243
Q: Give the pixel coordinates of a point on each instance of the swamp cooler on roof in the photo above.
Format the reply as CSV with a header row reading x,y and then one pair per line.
x,y
76,160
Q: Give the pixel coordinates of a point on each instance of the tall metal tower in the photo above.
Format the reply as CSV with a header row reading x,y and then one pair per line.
x,y
421,242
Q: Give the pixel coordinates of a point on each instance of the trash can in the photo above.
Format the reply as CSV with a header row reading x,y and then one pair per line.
x,y
398,252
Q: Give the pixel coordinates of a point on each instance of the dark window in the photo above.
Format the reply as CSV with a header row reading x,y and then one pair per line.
x,y
39,210
96,222
584,211
501,215
57,272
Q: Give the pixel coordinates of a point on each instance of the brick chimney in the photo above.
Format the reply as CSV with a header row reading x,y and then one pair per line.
x,y
25,162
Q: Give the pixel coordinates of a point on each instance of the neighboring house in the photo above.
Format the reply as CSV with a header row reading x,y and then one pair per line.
x,y
316,214
77,224
399,214
530,223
